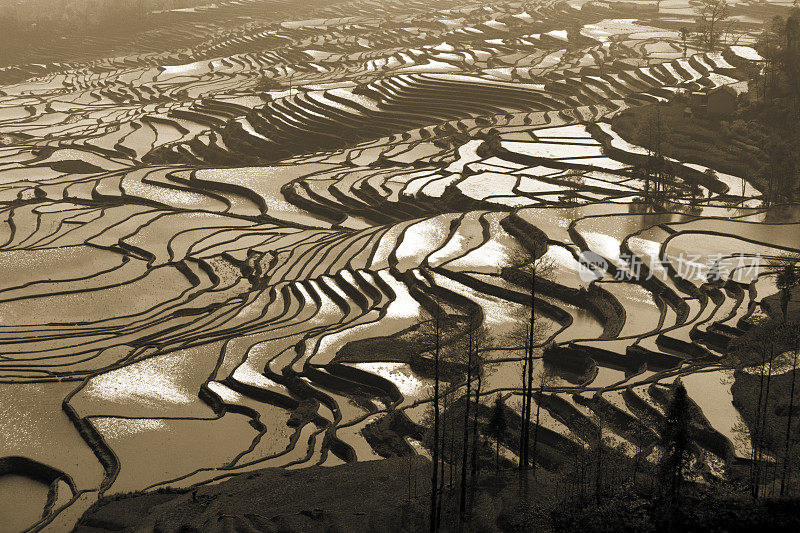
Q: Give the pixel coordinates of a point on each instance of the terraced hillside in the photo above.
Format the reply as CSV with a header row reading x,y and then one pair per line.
x,y
217,251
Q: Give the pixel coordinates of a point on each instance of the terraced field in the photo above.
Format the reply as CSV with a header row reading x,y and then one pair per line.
x,y
215,249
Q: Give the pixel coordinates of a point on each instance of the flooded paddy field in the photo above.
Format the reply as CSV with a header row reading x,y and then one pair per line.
x,y
228,254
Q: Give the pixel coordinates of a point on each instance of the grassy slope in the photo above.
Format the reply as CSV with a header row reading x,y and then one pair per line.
x,y
346,498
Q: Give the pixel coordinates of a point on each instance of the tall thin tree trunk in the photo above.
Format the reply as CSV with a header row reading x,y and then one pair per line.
x,y
764,416
475,437
529,378
787,444
754,439
462,506
473,474
536,431
445,427
522,463
435,458
451,460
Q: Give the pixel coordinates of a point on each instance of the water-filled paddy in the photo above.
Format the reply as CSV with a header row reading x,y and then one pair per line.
x,y
190,241
22,502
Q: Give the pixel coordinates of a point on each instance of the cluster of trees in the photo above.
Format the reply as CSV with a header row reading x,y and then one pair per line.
x,y
766,397
534,384
455,438
713,22
780,46
661,184
461,426
465,435
759,142
602,477
460,422
604,486
605,467
776,106
712,26
770,354
656,171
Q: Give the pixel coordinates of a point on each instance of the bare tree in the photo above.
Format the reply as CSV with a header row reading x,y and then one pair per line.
x,y
482,341
435,455
531,267
442,455
685,33
757,349
497,427
471,357
473,471
795,332
545,380
711,18
656,171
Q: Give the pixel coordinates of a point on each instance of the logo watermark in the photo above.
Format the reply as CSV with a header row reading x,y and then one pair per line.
x,y
688,266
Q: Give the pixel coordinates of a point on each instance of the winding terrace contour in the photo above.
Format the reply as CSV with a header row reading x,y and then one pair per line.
x,y
203,244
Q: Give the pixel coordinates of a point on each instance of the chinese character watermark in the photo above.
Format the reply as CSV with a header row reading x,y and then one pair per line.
x,y
692,267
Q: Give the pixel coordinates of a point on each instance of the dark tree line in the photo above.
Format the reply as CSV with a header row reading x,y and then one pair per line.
x,y
455,342
655,487
778,108
766,359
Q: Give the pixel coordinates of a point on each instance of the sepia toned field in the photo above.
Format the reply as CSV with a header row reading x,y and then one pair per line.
x,y
219,238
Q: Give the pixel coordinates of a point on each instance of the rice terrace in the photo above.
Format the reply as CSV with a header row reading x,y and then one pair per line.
x,y
399,265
